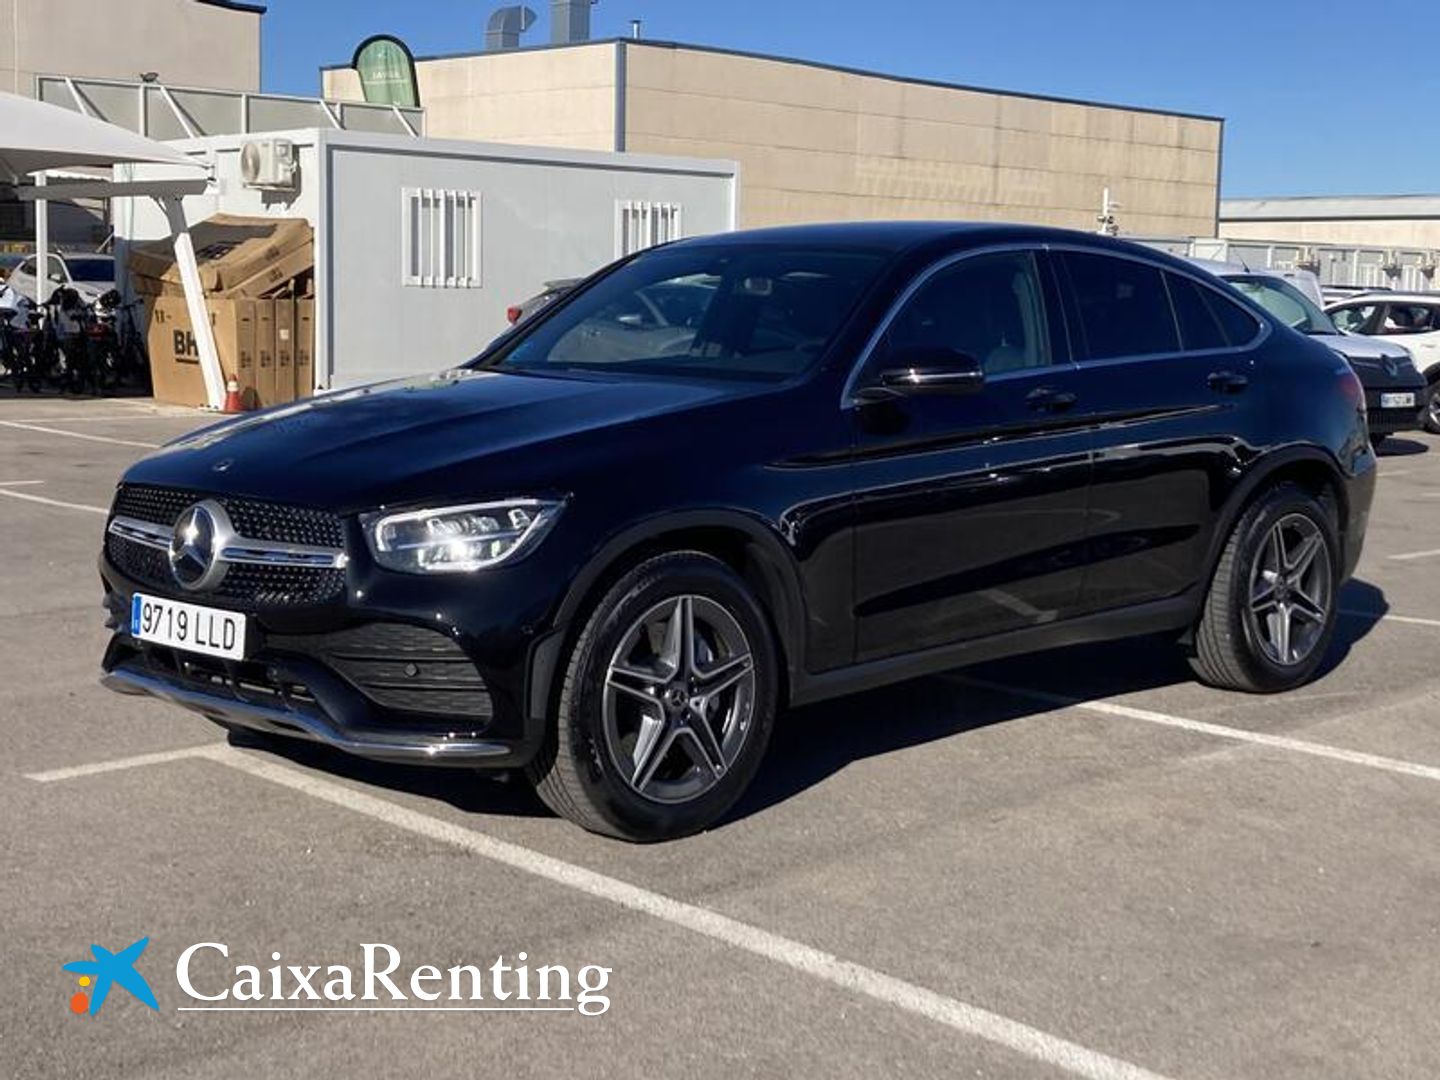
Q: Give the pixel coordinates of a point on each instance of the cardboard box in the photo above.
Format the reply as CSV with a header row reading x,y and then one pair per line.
x,y
284,350
229,250
304,347
267,387
276,275
175,356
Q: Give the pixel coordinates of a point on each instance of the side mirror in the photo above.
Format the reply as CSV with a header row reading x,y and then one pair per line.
x,y
925,371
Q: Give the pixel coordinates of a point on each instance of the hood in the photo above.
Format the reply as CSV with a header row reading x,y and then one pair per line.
x,y
456,435
1358,347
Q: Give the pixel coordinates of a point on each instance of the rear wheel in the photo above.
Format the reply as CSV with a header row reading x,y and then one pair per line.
x,y
667,706
1270,612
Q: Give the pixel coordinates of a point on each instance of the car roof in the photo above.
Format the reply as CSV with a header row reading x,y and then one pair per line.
x,y
901,236
1393,297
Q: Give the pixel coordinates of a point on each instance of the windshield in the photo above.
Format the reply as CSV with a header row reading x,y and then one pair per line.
x,y
744,313
1286,303
97,270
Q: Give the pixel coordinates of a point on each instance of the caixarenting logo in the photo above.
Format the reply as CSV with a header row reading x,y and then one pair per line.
x,y
378,983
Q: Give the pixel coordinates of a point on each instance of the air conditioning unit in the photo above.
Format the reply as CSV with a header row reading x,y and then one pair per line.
x,y
270,164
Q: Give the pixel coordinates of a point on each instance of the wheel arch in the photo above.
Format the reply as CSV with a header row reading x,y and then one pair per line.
x,y
1312,468
749,547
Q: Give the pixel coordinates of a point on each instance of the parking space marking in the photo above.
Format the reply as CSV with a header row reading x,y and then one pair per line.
x,y
1416,555
77,434
1410,620
20,483
161,757
958,1015
8,494
1219,731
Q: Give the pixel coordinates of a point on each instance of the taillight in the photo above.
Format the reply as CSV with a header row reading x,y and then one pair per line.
x,y
1351,387
513,313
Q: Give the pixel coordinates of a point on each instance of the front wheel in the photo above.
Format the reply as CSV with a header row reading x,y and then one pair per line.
x,y
667,706
1270,612
1431,417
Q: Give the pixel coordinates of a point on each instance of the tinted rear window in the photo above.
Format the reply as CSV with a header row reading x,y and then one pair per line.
x,y
1124,309
1199,327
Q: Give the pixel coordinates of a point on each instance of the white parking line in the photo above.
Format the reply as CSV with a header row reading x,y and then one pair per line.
x,y
8,494
118,764
77,434
20,483
959,1015
1416,555
1410,620
1219,731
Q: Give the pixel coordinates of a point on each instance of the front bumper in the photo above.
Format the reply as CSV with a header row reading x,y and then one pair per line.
x,y
416,705
312,722
1383,421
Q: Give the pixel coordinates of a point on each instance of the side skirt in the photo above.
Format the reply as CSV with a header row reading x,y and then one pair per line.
x,y
1175,613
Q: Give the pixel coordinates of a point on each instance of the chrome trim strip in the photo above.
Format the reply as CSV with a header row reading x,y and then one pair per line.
x,y
241,550
315,726
147,533
263,553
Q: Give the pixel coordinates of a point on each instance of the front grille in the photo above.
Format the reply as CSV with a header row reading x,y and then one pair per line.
x,y
410,669
260,586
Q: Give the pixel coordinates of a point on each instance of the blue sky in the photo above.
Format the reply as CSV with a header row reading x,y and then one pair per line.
x,y
1320,96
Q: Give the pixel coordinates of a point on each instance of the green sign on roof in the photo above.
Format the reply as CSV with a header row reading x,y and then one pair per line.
x,y
387,72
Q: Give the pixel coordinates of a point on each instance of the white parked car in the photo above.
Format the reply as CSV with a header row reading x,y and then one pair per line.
x,y
1409,319
89,275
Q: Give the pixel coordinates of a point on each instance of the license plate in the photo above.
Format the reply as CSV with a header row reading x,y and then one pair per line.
x,y
187,626
1397,401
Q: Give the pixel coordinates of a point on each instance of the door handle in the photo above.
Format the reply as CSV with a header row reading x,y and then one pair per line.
x,y
1048,399
1227,382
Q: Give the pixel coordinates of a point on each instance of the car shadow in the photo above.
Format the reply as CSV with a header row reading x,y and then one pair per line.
x,y
1395,446
813,743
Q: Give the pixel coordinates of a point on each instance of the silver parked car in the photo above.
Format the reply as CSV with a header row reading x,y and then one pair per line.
x,y
92,276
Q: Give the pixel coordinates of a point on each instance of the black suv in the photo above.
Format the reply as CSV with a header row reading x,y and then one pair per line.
x,y
743,472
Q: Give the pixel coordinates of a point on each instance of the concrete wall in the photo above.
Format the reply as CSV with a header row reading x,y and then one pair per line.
x,y
548,97
817,143
188,43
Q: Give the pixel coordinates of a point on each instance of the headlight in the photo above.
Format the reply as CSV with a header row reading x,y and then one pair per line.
x,y
458,539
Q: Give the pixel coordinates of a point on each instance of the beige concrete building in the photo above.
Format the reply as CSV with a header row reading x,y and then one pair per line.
x,y
211,43
816,142
1385,221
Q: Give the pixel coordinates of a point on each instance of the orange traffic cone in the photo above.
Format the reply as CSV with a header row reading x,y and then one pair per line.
x,y
234,403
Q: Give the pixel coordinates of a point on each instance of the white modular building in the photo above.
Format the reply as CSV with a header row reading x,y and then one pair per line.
x,y
422,244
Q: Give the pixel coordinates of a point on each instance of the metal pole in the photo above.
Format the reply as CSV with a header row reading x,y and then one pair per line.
x,y
42,244
195,302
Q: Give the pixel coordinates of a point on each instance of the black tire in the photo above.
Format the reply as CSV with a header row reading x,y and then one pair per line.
x,y
575,773
1377,441
1431,415
1227,652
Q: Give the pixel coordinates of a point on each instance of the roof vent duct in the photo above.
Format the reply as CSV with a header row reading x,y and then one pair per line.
x,y
569,21
505,27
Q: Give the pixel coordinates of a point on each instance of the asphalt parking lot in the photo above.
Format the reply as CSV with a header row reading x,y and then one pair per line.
x,y
1076,864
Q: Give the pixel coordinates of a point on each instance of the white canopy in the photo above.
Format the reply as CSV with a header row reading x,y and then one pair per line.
x,y
35,135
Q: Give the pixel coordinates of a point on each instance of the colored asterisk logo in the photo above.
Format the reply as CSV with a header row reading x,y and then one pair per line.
x,y
106,970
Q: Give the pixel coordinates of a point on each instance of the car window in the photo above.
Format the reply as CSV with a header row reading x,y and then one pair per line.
x,y
1354,319
1200,327
729,312
1124,308
988,306
1284,301
1409,319
27,267
99,271
57,269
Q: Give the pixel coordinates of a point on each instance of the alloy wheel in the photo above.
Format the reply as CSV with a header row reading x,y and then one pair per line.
x,y
679,699
1291,586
